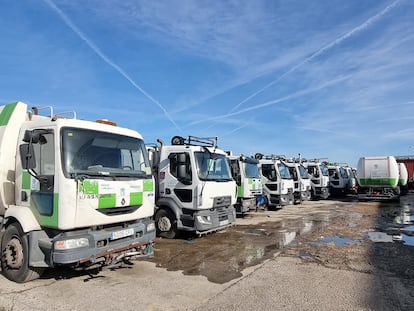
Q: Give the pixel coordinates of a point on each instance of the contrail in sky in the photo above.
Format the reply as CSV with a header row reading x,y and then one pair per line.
x,y
276,101
337,41
236,129
105,58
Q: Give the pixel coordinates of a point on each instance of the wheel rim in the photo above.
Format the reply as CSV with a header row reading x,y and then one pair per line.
x,y
13,253
164,224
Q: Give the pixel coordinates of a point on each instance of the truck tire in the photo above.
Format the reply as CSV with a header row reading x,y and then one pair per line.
x,y
15,256
166,224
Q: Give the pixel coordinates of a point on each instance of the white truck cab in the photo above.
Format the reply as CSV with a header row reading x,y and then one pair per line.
x,y
300,176
339,179
277,183
195,191
74,193
319,176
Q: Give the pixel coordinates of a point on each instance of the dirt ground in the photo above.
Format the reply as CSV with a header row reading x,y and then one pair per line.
x,y
335,254
352,249
334,234
360,253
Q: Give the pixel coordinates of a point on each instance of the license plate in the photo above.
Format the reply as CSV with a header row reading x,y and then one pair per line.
x,y
121,234
224,222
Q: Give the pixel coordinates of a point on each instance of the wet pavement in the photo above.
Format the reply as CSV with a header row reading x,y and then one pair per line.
x,y
224,255
310,232
398,223
361,253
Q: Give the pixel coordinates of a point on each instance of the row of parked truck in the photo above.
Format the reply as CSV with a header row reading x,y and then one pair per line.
x,y
86,194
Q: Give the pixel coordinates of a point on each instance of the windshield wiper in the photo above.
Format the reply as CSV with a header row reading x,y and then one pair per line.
x,y
139,174
218,179
82,175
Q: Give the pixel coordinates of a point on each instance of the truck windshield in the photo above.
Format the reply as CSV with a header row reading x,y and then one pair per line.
x,y
324,170
93,153
343,172
212,166
252,170
303,172
284,171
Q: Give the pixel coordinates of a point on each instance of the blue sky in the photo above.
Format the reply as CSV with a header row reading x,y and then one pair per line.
x,y
325,78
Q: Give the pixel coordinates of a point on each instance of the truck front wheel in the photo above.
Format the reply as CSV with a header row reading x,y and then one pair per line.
x,y
15,256
166,224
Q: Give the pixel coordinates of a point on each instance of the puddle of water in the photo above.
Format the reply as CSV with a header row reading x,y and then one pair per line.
x,y
400,238
409,228
397,225
254,231
408,240
223,255
307,255
307,227
354,217
338,241
287,237
377,236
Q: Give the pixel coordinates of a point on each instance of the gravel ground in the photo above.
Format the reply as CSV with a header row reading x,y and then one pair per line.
x,y
334,266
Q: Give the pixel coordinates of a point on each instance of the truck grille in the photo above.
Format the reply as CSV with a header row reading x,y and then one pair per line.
x,y
119,210
222,201
272,187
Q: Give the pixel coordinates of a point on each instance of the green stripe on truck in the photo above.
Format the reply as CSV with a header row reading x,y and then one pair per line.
x,y
107,201
148,186
378,181
89,187
6,113
26,180
136,198
48,221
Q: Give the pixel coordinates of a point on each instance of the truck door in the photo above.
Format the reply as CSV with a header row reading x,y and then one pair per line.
x,y
38,182
180,169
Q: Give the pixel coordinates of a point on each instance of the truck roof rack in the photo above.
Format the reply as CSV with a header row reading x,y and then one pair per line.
x,y
315,160
195,141
295,160
260,156
53,115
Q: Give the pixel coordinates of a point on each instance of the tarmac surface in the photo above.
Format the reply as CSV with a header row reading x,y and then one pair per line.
x,y
334,254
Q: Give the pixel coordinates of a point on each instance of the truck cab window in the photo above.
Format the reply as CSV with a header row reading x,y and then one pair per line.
x,y
45,154
175,162
269,171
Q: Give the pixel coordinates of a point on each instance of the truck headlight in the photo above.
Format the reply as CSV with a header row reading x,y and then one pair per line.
x,y
151,226
204,219
247,203
71,243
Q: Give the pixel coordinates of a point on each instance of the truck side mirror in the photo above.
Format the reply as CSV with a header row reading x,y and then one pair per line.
x,y
182,165
181,171
27,156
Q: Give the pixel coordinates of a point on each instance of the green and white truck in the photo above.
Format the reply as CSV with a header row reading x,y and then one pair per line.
x,y
73,193
378,178
245,171
403,180
195,191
